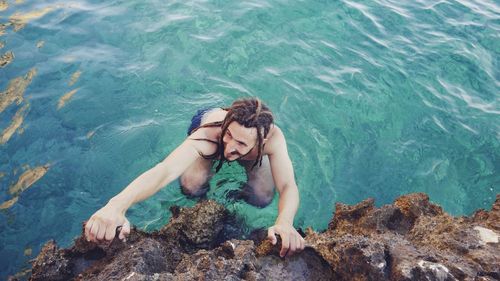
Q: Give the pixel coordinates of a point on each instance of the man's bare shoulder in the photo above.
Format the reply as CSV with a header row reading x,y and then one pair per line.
x,y
214,115
275,140
275,131
203,141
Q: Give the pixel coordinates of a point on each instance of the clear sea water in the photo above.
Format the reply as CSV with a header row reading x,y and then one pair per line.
x,y
376,98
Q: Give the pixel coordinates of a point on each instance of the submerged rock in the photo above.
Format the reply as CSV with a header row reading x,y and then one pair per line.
x,y
411,239
63,99
28,178
15,89
16,122
74,77
6,58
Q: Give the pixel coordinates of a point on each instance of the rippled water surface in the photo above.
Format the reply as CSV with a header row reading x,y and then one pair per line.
x,y
376,99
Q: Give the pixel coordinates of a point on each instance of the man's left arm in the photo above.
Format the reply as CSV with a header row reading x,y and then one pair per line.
x,y
283,175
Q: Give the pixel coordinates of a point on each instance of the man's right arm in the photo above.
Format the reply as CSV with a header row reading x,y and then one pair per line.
x,y
103,223
159,176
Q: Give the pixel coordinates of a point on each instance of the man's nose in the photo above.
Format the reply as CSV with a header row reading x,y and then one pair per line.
x,y
232,149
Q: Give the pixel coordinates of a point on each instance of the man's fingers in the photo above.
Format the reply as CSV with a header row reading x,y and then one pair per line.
x,y
293,246
93,231
110,232
285,245
298,243
101,232
271,236
88,227
301,243
124,231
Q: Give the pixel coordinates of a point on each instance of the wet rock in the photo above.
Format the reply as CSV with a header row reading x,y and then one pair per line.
x,y
51,264
199,227
489,219
411,239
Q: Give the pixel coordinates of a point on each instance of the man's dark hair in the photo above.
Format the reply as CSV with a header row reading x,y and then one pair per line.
x,y
250,113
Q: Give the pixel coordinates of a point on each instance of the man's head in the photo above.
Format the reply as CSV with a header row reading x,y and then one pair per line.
x,y
245,127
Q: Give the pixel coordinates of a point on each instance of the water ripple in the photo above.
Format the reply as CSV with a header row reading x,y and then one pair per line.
x,y
365,11
376,98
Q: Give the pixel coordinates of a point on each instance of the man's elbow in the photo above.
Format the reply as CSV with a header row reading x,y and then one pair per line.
x,y
289,187
165,175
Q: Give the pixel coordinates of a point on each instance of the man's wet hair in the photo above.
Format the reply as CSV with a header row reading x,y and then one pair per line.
x,y
250,113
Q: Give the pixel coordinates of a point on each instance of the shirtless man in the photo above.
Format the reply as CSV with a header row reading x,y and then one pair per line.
x,y
243,132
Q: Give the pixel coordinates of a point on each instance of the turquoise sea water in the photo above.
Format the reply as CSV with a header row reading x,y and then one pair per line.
x,y
376,99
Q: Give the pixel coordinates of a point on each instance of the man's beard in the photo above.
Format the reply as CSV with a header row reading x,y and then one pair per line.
x,y
234,158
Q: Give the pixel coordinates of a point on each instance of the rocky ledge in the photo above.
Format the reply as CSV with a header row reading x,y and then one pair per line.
x,y
411,239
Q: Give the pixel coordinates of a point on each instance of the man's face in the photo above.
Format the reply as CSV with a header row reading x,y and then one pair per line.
x,y
238,141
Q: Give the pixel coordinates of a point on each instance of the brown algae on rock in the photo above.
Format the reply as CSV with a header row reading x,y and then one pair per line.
x,y
28,178
20,20
383,244
4,26
3,5
65,98
74,77
6,58
15,90
17,120
9,203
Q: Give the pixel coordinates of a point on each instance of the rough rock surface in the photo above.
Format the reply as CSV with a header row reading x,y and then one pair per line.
x,y
411,239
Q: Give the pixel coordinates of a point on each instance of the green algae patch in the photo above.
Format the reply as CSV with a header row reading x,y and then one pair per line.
x,y
28,251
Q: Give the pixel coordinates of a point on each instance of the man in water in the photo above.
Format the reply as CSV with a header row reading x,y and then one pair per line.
x,y
244,133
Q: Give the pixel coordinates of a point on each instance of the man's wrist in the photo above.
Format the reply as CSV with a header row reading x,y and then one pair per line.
x,y
284,221
119,204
